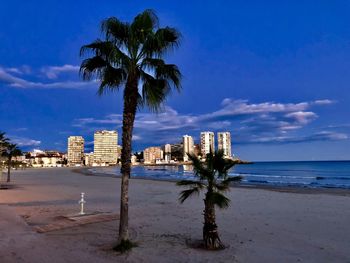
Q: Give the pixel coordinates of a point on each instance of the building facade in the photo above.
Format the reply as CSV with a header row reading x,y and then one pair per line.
x,y
106,147
152,155
167,153
75,150
187,146
89,159
224,143
207,143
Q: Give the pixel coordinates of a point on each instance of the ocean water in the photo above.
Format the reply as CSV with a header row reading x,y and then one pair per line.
x,y
313,174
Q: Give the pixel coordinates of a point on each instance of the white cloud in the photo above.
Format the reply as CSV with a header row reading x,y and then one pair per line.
x,y
302,117
318,136
25,141
13,78
52,72
18,82
324,102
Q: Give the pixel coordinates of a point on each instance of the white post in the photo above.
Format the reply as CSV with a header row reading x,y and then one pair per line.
x,y
82,202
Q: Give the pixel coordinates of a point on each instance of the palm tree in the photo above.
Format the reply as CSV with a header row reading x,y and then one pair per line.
x,y
10,151
3,141
131,56
212,177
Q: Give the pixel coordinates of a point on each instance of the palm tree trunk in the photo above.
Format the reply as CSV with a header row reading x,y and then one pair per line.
x,y
8,169
129,112
210,230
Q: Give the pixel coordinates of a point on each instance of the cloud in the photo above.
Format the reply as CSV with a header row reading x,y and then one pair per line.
x,y
324,102
302,117
19,70
23,142
266,122
18,82
319,136
52,72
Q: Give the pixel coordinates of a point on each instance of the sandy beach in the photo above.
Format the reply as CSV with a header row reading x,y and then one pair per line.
x,y
260,226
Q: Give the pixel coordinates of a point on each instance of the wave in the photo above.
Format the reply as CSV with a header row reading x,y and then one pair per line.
x,y
310,185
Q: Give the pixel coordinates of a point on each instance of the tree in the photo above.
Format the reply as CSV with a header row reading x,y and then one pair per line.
x,y
10,151
3,141
212,177
131,56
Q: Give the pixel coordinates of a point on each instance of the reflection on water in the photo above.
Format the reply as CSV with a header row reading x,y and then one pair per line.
x,y
187,168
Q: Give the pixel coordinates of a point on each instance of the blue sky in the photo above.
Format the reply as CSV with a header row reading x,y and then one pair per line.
x,y
273,73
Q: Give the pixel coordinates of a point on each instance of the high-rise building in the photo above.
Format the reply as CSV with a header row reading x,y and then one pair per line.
x,y
207,143
224,143
177,151
106,147
75,150
152,154
167,153
187,146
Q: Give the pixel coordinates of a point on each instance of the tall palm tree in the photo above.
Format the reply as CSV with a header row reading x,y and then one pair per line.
x,y
3,141
131,56
212,177
10,151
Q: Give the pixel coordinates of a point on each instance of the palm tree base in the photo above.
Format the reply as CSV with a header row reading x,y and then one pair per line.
x,y
124,246
211,238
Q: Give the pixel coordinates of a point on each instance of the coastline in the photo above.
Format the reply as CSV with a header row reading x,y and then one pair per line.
x,y
282,189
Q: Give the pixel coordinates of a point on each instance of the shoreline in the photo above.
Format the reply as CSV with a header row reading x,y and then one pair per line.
x,y
276,188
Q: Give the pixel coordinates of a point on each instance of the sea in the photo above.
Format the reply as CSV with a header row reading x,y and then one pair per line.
x,y
310,174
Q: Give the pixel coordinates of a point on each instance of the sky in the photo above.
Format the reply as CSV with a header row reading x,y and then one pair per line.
x,y
273,73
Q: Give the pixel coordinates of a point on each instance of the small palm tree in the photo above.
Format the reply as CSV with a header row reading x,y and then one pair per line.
x,y
3,142
131,56
10,151
212,177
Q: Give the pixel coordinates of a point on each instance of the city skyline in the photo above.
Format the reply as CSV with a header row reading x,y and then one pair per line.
x,y
282,95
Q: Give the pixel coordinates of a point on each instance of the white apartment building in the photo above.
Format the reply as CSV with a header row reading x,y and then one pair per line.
x,y
224,143
207,143
106,147
167,153
187,146
75,150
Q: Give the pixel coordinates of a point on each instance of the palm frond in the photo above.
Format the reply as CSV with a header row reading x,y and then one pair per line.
x,y
218,199
187,193
163,40
198,184
116,31
164,71
221,164
100,48
111,79
144,24
11,149
154,91
199,168
224,185
91,67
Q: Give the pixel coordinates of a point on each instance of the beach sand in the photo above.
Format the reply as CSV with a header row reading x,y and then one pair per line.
x,y
260,225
